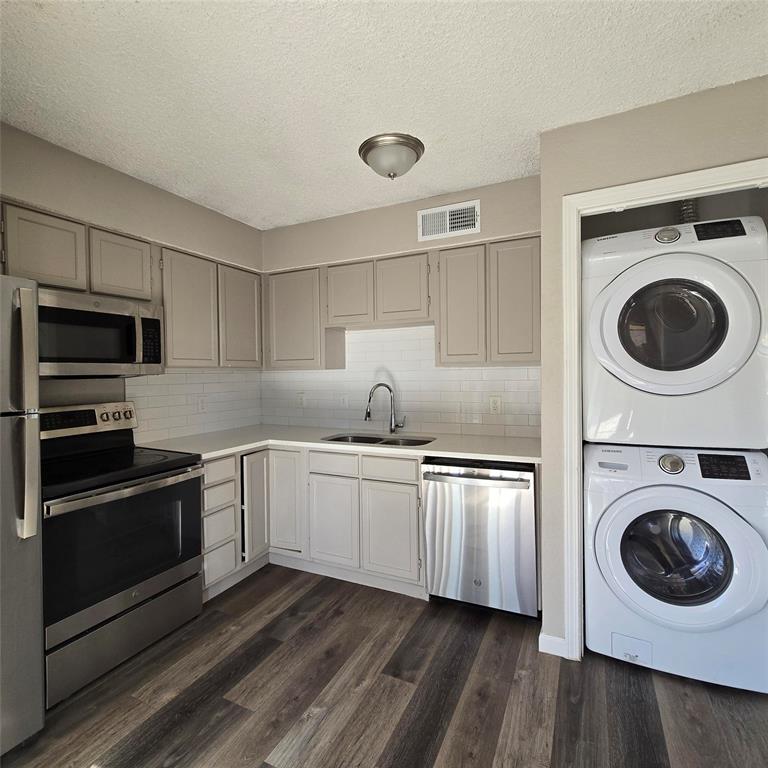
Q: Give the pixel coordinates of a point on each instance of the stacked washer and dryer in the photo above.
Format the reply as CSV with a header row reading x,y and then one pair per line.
x,y
675,388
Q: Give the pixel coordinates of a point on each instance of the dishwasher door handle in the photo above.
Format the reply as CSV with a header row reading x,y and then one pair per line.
x,y
488,482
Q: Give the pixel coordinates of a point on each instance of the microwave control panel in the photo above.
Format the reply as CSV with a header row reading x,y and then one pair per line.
x,y
151,341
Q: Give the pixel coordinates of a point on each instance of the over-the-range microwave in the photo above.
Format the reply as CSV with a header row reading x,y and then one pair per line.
x,y
89,335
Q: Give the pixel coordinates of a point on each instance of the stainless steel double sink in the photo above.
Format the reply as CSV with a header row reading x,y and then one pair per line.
x,y
379,440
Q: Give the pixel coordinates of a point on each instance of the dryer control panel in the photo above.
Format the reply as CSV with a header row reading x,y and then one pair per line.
x,y
722,466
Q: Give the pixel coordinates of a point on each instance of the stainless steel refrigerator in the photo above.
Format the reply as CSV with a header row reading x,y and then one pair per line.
x,y
21,582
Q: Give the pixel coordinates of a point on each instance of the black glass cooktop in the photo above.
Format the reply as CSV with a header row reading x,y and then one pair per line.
x,y
79,469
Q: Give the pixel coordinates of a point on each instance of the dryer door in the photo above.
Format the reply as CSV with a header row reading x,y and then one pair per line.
x,y
682,558
675,324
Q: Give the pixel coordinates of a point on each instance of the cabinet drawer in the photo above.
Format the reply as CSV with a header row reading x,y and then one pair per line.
x,y
219,495
219,526
385,468
331,463
220,469
219,562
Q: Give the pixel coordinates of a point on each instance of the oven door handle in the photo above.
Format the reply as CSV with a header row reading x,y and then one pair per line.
x,y
62,507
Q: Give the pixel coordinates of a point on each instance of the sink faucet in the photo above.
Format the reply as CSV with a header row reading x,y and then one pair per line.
x,y
393,425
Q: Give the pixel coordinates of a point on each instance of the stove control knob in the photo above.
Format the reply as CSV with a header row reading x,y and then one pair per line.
x,y
116,415
671,464
104,416
128,414
668,235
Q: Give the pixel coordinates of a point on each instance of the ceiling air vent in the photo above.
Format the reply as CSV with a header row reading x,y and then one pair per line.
x,y
449,220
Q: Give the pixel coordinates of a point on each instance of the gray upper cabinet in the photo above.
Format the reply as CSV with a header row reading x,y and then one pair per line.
x,y
402,288
45,248
350,294
514,301
191,317
462,322
239,318
294,320
120,266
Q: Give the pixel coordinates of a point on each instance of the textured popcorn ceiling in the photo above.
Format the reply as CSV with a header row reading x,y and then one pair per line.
x,y
256,109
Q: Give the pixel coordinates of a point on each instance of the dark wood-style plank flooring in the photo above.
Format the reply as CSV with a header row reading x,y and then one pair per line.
x,y
293,670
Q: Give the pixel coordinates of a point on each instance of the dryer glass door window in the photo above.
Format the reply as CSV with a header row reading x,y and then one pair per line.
x,y
676,557
671,325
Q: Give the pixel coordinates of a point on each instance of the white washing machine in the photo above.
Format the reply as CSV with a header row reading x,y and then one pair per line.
x,y
675,335
676,560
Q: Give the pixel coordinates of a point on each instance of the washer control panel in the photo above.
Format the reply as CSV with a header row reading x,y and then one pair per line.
x,y
672,464
719,466
667,235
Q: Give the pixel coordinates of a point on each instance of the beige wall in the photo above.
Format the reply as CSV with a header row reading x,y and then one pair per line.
x,y
46,176
506,209
710,128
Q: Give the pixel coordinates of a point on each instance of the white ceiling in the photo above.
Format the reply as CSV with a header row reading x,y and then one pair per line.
x,y
256,109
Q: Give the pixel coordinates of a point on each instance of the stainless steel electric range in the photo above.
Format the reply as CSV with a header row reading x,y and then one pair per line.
x,y
121,542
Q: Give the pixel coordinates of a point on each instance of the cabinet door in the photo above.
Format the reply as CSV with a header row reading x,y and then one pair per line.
x,y
239,318
390,526
402,288
255,504
350,294
191,319
334,520
45,248
294,319
514,301
286,502
462,305
120,266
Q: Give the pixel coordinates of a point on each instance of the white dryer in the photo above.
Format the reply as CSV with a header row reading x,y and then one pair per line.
x,y
676,560
675,335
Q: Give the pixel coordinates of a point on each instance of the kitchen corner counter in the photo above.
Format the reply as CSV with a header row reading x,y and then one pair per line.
x,y
213,444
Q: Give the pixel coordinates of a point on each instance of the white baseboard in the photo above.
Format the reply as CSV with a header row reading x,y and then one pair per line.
x,y
241,573
347,574
556,646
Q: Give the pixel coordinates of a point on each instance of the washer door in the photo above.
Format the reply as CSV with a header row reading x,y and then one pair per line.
x,y
675,324
682,558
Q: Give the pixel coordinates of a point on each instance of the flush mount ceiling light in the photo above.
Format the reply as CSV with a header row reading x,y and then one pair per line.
x,y
391,154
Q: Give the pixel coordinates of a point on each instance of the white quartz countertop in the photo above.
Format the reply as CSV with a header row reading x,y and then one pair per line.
x,y
212,444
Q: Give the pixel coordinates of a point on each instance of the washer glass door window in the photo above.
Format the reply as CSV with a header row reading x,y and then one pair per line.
x,y
676,557
682,558
675,324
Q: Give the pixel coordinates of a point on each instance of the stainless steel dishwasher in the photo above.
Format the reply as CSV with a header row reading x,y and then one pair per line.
x,y
480,531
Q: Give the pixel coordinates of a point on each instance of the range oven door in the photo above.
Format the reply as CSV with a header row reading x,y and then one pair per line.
x,y
108,551
86,335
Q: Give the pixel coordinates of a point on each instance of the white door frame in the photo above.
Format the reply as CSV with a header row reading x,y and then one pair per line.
x,y
726,178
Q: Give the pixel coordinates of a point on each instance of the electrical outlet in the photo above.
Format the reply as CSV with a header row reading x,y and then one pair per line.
x,y
344,401
474,418
301,400
201,404
495,403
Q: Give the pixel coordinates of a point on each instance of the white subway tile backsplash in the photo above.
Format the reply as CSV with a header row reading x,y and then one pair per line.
x,y
433,400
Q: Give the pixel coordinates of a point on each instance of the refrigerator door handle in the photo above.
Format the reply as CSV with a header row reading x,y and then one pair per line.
x,y
29,352
26,527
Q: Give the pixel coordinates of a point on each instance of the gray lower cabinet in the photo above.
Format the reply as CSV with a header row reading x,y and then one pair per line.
x,y
390,529
402,288
239,318
462,324
221,519
120,266
45,248
514,301
191,311
350,294
287,497
334,520
255,505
